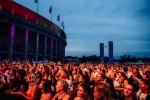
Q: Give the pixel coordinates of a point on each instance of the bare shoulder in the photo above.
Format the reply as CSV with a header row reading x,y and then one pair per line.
x,y
76,98
66,97
49,95
55,96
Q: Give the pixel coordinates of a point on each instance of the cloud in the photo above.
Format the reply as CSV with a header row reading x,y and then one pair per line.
x,y
90,22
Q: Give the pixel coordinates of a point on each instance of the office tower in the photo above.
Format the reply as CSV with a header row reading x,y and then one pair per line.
x,y
101,52
110,51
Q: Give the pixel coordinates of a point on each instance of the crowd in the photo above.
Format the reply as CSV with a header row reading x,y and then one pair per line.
x,y
73,81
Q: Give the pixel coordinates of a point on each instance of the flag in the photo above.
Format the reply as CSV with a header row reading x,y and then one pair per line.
x,y
36,1
50,9
58,18
63,27
26,15
62,23
12,10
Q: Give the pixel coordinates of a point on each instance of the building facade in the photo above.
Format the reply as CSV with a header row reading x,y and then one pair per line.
x,y
26,35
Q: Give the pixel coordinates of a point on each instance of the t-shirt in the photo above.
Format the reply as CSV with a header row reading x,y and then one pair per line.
x,y
141,95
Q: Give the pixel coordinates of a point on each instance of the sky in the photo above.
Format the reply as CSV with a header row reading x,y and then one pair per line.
x,y
91,22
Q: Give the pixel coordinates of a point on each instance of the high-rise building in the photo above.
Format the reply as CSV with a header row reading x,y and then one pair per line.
x,y
110,51
101,52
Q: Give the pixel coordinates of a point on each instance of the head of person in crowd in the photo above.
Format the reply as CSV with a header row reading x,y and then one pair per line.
x,y
122,78
64,74
99,77
83,79
75,76
20,74
13,72
143,93
144,85
83,92
62,88
127,81
38,77
113,76
80,71
60,67
147,72
45,85
62,85
101,91
129,93
119,75
32,80
103,72
135,72
45,70
125,69
146,77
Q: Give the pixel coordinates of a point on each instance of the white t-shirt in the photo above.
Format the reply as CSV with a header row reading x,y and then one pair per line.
x,y
141,95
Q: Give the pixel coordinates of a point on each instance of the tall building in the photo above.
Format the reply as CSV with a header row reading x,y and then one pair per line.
x,y
110,51
101,52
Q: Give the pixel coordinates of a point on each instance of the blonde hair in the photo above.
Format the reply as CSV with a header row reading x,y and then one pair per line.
x,y
65,85
103,87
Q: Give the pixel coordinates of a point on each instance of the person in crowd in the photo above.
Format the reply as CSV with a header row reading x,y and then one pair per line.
x,y
83,79
64,76
22,80
45,72
101,91
113,93
99,78
45,87
75,78
146,77
19,80
18,83
136,77
129,72
113,77
143,93
32,92
61,91
129,93
83,92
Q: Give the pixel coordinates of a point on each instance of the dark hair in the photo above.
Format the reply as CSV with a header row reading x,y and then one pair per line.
x,y
130,80
22,72
103,72
25,86
66,72
86,88
47,85
145,82
125,69
86,79
46,68
39,76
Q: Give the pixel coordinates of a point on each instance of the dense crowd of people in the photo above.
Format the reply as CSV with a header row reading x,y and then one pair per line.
x,y
73,81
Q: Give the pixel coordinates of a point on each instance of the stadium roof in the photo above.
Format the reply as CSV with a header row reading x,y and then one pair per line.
x,y
19,10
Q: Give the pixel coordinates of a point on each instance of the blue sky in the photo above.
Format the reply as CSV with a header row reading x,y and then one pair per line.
x,y
90,22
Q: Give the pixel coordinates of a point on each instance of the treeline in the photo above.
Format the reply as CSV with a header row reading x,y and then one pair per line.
x,y
94,58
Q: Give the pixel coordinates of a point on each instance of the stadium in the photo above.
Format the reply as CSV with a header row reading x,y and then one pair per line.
x,y
26,35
